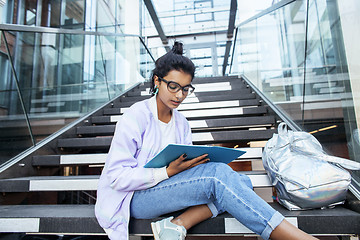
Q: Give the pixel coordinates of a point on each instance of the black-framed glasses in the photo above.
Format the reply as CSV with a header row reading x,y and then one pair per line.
x,y
174,87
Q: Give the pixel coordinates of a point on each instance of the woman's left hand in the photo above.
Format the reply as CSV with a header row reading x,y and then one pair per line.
x,y
182,164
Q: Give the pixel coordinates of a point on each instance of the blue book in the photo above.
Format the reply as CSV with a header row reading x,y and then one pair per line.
x,y
174,151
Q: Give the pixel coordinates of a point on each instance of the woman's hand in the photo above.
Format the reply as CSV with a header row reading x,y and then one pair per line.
x,y
182,164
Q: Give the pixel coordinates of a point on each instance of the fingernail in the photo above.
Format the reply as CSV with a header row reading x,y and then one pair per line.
x,y
185,155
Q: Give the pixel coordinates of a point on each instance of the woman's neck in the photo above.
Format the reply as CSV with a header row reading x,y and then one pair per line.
x,y
164,113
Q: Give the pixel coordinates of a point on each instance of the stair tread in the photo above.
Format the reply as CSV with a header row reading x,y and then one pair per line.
x,y
99,158
204,113
196,125
203,104
81,219
199,87
239,121
198,138
87,182
206,96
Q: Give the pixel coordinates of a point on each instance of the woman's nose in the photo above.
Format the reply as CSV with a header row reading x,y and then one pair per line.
x,y
179,94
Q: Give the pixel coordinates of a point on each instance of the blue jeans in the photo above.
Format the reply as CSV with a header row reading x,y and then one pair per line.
x,y
214,184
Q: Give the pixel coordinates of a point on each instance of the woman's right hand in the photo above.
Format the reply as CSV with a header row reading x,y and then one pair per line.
x,y
182,164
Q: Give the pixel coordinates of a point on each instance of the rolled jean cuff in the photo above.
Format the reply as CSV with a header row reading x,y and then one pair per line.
x,y
213,209
275,220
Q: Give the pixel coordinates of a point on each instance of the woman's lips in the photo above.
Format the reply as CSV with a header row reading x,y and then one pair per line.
x,y
175,102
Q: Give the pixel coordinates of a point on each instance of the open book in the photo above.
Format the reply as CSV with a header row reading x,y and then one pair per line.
x,y
173,151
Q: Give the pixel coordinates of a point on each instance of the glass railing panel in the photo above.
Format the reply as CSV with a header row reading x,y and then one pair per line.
x,y
14,127
328,108
302,68
147,62
245,59
63,76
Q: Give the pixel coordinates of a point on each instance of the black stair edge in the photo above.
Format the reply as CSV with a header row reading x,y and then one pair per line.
x,y
255,120
23,184
242,102
240,121
46,160
101,142
100,119
102,130
221,92
212,124
246,111
236,136
201,80
81,219
204,96
234,87
218,136
250,111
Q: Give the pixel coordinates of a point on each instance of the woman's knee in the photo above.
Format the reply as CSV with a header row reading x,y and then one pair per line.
x,y
225,173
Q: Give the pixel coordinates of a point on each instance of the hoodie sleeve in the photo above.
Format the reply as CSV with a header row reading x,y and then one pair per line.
x,y
121,168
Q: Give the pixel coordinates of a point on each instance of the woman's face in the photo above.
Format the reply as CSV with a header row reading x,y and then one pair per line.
x,y
169,99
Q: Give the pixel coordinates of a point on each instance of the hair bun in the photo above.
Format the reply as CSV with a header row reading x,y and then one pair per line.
x,y
177,48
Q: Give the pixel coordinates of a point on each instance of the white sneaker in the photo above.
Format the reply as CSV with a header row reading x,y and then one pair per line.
x,y
166,230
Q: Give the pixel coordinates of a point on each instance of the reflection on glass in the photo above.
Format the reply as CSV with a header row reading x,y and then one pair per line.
x,y
306,77
61,78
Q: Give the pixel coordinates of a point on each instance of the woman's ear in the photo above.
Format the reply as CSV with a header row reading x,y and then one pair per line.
x,y
156,80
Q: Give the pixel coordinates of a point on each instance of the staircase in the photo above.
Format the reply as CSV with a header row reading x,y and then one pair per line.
x,y
53,190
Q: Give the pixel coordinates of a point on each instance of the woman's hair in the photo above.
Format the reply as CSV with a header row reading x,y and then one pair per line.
x,y
173,60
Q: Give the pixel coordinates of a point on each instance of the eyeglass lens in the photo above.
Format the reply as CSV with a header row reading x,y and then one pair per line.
x,y
175,87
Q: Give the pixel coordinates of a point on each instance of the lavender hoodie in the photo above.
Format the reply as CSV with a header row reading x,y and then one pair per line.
x,y
136,140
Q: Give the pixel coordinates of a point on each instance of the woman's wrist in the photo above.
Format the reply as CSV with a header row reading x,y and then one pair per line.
x,y
169,172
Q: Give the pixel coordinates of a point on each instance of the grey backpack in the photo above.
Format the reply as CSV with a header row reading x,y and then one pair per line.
x,y
304,176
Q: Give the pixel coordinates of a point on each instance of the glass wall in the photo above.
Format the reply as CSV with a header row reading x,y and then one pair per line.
x,y
60,75
183,21
296,56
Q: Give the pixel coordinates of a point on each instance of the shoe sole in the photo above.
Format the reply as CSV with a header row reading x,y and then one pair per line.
x,y
154,229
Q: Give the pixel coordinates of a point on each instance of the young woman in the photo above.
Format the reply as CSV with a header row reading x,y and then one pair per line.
x,y
203,188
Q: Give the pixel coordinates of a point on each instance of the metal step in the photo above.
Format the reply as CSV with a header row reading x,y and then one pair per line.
x,y
232,136
87,183
211,123
96,159
202,80
204,100
197,106
196,125
198,138
204,92
210,113
230,123
204,87
224,112
80,219
70,159
205,96
102,130
86,143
